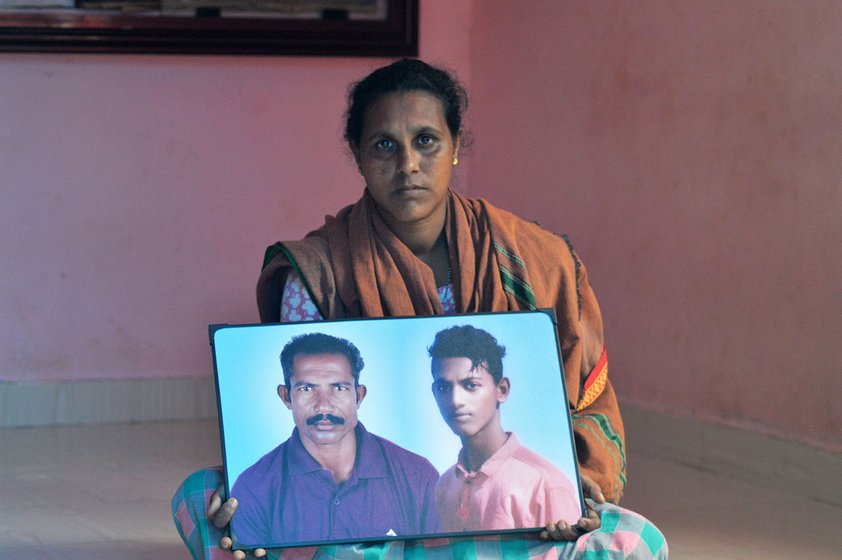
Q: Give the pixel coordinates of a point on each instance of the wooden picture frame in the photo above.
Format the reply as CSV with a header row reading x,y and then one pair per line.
x,y
210,31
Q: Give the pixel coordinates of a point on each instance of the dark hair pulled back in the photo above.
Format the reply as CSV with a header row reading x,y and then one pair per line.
x,y
408,74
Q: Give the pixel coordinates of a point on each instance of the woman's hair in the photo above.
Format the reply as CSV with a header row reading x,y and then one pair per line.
x,y
408,74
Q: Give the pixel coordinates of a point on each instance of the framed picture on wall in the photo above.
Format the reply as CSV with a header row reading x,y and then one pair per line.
x,y
271,27
378,429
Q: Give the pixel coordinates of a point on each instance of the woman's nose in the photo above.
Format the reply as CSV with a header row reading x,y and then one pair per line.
x,y
408,160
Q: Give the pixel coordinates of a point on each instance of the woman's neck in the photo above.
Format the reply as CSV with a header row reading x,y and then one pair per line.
x,y
428,242
438,259
421,237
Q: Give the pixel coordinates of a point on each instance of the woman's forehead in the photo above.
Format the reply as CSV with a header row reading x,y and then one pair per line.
x,y
415,109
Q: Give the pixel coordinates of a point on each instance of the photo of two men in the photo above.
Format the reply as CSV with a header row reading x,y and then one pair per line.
x,y
381,429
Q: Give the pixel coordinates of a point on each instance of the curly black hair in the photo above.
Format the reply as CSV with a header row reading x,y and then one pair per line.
x,y
470,342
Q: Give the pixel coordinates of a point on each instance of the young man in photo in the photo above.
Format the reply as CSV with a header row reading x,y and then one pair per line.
x,y
496,483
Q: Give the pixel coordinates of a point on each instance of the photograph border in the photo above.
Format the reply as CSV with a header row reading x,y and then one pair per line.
x,y
536,403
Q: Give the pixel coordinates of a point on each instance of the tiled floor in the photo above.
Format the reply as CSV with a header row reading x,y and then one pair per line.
x,y
102,492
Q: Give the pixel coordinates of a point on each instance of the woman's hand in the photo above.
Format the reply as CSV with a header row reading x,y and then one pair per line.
x,y
591,489
221,512
562,531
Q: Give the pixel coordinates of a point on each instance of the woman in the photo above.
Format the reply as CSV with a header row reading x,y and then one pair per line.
x,y
411,246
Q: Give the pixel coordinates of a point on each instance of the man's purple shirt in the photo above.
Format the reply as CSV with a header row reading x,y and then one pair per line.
x,y
287,498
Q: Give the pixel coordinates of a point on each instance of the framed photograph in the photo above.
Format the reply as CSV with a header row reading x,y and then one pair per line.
x,y
272,27
377,429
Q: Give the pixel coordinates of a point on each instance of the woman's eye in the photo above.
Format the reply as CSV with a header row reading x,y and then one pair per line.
x,y
384,145
426,140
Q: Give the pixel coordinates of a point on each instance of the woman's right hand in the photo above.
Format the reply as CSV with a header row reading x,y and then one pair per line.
x,y
220,513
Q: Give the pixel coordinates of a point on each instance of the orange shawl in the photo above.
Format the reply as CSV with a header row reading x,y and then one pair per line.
x,y
353,266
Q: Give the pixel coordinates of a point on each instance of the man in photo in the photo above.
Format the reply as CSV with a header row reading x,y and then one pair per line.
x,y
331,479
496,483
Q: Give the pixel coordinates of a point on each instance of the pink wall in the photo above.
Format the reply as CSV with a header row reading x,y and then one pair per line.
x,y
694,155
137,194
692,150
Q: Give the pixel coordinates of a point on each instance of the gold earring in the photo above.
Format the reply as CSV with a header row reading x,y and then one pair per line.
x,y
455,161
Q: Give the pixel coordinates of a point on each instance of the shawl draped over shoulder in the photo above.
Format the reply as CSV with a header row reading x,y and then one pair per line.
x,y
354,266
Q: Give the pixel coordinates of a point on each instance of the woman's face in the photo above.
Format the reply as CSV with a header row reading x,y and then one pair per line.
x,y
406,156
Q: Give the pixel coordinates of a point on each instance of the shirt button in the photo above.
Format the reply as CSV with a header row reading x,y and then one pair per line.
x,y
336,503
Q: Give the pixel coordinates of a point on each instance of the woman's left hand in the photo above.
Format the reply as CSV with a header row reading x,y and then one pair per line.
x,y
591,489
563,531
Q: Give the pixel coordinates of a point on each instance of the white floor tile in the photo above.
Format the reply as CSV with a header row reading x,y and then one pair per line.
x,y
103,492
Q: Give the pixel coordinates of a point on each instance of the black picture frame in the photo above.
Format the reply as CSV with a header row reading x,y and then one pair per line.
x,y
399,406
80,31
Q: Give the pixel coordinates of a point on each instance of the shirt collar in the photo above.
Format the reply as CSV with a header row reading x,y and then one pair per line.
x,y
491,465
371,459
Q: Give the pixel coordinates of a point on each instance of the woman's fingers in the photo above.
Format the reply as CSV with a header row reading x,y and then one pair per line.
x,y
591,489
222,517
215,501
590,522
563,531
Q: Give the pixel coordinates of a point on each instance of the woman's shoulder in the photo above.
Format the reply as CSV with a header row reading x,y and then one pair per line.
x,y
523,237
308,259
504,220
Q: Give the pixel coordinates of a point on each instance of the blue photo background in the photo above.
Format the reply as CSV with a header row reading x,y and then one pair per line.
x,y
399,405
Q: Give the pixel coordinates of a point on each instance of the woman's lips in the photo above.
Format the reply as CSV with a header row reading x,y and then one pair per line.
x,y
408,188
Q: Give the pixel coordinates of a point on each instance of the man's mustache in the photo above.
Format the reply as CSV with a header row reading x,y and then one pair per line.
x,y
329,417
